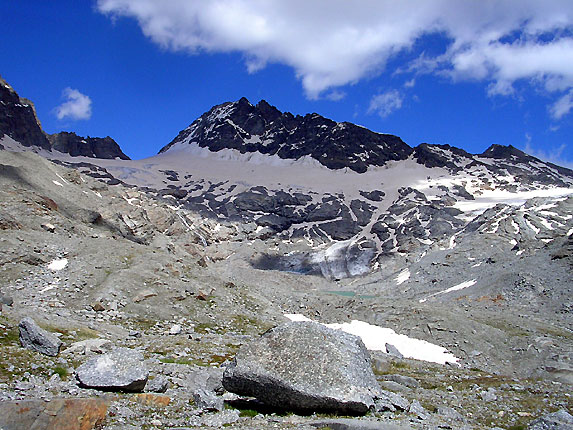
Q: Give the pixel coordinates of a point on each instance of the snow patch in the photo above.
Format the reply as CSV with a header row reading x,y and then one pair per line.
x,y
403,276
375,338
59,184
58,264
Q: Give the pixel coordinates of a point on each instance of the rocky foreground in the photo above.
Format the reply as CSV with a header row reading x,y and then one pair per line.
x,y
131,313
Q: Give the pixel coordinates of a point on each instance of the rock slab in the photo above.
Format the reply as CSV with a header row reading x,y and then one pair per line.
x,y
561,420
58,414
305,366
119,370
37,339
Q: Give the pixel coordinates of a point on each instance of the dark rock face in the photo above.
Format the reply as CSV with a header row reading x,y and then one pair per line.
x,y
18,119
305,366
263,128
93,147
440,156
35,338
119,370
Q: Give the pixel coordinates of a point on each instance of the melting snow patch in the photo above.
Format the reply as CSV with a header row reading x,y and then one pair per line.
x,y
58,264
59,184
375,338
297,317
449,290
532,227
403,276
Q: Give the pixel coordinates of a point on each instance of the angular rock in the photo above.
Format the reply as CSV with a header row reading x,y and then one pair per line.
x,y
175,329
407,381
118,370
145,294
561,420
36,338
418,410
305,366
159,384
58,414
388,401
208,401
450,414
392,350
6,300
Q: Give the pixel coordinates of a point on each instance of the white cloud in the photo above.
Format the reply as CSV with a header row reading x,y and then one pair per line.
x,y
386,103
562,106
332,43
335,95
410,84
77,105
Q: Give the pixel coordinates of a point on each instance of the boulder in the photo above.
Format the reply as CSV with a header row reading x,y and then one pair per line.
x,y
57,414
118,370
36,338
159,384
305,366
556,420
208,401
6,300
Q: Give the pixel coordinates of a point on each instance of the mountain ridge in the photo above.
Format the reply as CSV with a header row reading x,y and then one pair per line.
x,y
18,120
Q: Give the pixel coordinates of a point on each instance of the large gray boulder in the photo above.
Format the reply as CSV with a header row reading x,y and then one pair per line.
x,y
305,366
119,370
36,338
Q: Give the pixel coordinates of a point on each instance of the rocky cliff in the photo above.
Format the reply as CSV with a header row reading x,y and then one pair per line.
x,y
93,147
18,119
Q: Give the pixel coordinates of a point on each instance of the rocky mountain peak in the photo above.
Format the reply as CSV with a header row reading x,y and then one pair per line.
x,y
499,151
263,128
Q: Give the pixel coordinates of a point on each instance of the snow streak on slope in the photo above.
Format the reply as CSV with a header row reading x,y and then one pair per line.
x,y
449,290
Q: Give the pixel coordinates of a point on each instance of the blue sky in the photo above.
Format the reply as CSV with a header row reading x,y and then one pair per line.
x,y
441,71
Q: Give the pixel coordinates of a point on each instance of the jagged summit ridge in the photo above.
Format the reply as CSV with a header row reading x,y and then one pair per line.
x,y
263,128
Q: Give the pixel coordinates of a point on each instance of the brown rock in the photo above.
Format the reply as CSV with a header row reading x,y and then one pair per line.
x,y
149,399
98,307
58,414
145,294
